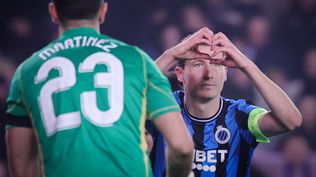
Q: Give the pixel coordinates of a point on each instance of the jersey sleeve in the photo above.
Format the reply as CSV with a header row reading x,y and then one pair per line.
x,y
159,96
16,114
248,117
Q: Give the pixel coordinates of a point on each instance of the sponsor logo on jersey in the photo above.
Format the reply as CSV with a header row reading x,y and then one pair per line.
x,y
206,159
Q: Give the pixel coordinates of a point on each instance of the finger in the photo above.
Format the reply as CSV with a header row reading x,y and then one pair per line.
x,y
219,56
203,33
220,42
224,56
201,56
215,61
204,41
193,41
207,33
215,38
229,63
218,36
192,44
225,50
202,37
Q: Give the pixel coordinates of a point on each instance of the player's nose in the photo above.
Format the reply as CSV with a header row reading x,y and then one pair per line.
x,y
210,70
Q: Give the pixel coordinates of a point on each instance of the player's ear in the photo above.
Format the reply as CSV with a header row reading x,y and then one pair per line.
x,y
179,73
102,11
53,13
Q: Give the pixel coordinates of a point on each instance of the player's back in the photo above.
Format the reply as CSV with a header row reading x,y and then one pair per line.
x,y
86,96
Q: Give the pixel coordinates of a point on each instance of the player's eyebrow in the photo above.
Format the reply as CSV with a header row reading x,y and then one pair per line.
x,y
198,61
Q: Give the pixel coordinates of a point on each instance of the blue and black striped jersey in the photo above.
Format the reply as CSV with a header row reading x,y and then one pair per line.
x,y
223,143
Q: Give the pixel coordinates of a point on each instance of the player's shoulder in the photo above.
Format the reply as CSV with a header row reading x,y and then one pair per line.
x,y
116,41
29,61
234,101
243,105
179,96
35,57
129,48
119,42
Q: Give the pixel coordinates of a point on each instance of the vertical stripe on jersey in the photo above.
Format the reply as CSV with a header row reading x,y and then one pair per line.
x,y
221,166
242,120
244,145
243,161
198,137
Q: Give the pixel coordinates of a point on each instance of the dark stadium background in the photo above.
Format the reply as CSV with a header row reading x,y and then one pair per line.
x,y
278,35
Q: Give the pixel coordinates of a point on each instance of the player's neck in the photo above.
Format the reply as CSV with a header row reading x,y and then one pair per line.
x,y
202,109
79,24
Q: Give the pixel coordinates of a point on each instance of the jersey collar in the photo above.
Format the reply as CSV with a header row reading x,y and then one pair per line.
x,y
79,31
204,120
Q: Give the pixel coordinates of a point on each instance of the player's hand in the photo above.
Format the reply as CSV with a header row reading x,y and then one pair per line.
x,y
234,58
186,49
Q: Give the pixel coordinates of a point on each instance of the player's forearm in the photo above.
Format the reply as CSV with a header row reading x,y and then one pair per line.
x,y
165,61
180,144
282,108
178,164
24,169
22,152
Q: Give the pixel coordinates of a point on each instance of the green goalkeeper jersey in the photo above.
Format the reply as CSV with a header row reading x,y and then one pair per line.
x,y
88,96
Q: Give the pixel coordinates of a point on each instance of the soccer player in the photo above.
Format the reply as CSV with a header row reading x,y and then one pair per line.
x,y
78,106
225,131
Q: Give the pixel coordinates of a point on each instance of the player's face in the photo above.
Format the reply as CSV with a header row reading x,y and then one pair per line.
x,y
202,80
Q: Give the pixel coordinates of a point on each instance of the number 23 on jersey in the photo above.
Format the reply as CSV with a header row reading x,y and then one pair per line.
x,y
113,79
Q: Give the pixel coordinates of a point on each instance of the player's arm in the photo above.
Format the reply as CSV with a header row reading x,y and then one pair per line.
x,y
164,112
21,146
183,50
284,115
22,152
20,138
180,145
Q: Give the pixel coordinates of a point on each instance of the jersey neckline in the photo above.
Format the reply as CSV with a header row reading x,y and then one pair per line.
x,y
204,120
81,30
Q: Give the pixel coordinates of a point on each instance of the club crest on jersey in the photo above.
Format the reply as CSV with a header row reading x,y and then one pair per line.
x,y
222,135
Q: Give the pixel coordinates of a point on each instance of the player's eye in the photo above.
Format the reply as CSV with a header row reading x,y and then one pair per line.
x,y
198,65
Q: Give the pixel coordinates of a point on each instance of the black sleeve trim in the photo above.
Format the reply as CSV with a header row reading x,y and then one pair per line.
x,y
18,121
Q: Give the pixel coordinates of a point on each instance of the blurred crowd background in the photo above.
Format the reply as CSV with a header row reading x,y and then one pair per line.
x,y
279,36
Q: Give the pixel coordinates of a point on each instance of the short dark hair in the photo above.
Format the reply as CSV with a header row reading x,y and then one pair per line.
x,y
173,80
77,9
181,63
